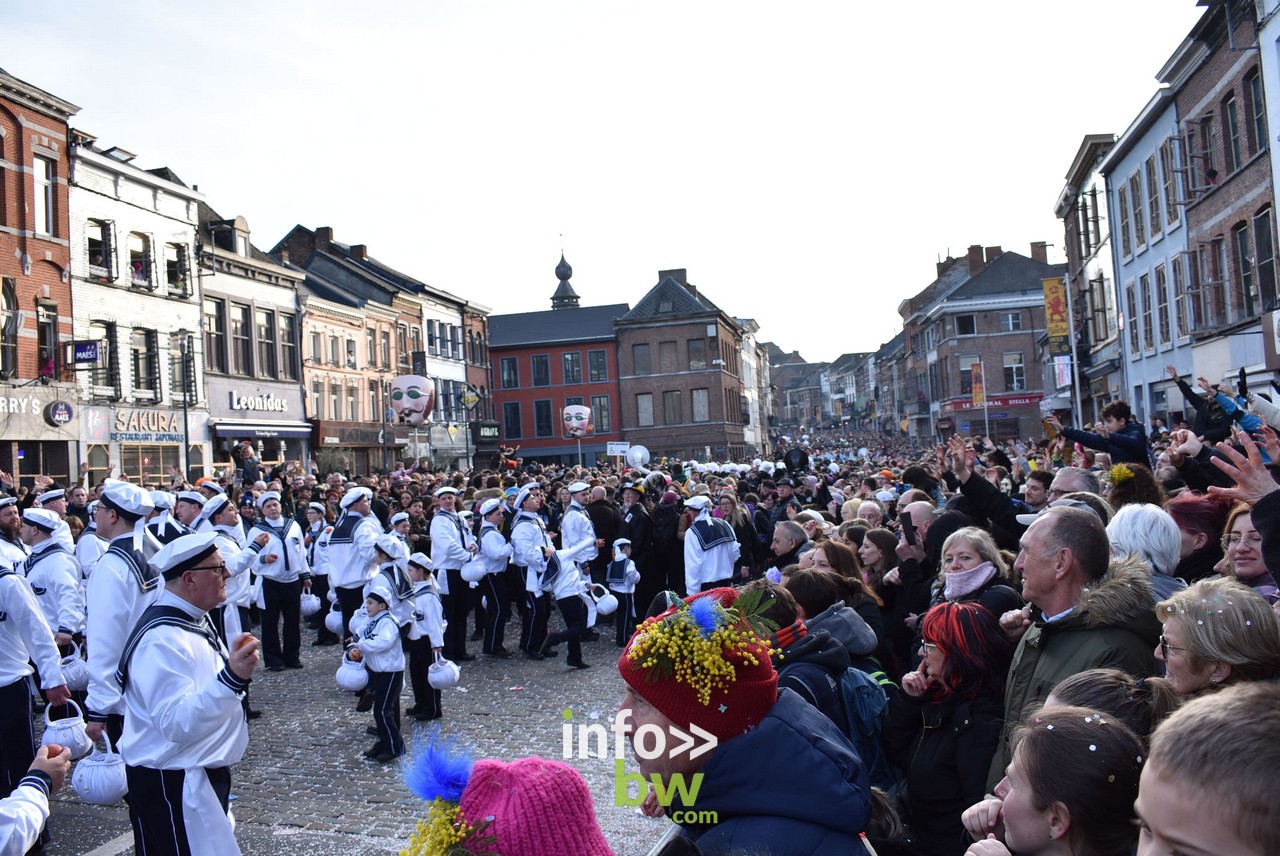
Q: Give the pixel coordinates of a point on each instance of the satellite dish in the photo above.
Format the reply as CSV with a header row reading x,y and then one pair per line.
x,y
637,457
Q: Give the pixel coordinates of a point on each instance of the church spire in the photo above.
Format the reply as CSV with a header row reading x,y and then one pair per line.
x,y
565,297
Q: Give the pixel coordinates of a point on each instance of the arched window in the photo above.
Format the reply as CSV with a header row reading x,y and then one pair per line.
x,y
9,328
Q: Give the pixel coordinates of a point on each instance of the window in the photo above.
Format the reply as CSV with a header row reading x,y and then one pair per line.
x,y
510,373
415,339
353,405
1139,219
289,346
1098,309
966,325
9,317
139,259
335,400
46,339
98,247
1148,305
697,354
700,400
106,371
176,273
1167,167
644,409
42,201
335,350
640,359
573,367
317,391
432,347
215,335
1205,155
1163,324
144,351
1264,259
1231,123
265,320
511,420
573,400
1244,268
385,341
600,413
1131,317
597,366
1153,197
372,392
667,359
1015,373
372,344
455,341
541,369
1257,112
542,421
1126,243
402,344
966,364
1180,297
1011,322
672,412
241,343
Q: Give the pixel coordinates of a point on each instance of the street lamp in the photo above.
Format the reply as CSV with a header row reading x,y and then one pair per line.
x,y
188,375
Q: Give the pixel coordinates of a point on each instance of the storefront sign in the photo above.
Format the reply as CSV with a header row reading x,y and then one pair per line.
x,y
20,405
1000,401
147,426
485,432
58,413
268,403
86,352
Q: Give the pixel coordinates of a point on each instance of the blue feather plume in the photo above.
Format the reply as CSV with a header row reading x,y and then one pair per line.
x,y
440,768
704,612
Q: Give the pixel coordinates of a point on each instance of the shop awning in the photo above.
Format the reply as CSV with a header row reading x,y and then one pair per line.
x,y
260,429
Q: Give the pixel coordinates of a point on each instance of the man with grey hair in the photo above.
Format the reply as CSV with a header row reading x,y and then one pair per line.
x,y
1083,612
788,540
1071,480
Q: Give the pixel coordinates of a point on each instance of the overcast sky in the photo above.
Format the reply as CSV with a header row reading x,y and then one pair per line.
x,y
807,162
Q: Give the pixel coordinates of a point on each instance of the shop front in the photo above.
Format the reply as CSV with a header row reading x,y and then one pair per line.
x,y
364,446
267,415
144,443
39,427
1005,417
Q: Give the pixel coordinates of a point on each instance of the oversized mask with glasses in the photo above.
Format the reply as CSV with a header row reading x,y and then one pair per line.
x,y
412,398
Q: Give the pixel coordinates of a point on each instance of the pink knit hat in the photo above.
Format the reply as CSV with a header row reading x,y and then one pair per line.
x,y
539,807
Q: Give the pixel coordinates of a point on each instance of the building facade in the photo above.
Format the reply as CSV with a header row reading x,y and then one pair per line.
x,y
40,416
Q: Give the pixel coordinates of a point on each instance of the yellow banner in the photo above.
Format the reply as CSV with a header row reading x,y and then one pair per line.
x,y
1057,323
979,386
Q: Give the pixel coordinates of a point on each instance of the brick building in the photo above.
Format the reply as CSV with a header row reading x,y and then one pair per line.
x,y
37,423
682,388
548,360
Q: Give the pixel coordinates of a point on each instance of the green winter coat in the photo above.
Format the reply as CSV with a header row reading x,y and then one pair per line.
x,y
1113,626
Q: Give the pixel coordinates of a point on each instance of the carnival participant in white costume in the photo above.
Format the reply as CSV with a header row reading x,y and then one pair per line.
x,y
53,575
282,564
351,551
710,549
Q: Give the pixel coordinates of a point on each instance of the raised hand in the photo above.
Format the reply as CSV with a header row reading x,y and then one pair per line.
x,y
1253,480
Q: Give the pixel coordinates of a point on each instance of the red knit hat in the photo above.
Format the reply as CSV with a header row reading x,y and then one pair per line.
x,y
720,676
539,807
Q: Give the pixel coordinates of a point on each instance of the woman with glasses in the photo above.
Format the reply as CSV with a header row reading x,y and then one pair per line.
x,y
1242,545
1217,632
944,727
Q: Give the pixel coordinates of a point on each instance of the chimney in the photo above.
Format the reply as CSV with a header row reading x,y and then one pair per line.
x,y
324,237
975,259
359,252
284,254
993,253
1039,251
680,275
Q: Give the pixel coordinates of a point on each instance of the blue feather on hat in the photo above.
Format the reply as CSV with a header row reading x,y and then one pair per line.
x,y
440,768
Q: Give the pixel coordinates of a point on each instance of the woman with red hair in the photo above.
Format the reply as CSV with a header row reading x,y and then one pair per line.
x,y
1201,520
946,723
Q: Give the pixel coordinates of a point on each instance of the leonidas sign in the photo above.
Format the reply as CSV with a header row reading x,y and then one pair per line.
x,y
267,403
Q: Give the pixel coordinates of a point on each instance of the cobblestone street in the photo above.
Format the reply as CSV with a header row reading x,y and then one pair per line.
x,y
303,787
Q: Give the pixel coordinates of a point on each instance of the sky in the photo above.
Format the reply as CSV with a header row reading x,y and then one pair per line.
x,y
808,163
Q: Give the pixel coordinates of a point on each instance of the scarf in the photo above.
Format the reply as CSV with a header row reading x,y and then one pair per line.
x,y
964,583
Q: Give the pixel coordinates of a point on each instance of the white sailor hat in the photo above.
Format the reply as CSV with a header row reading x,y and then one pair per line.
x,y
392,546
579,487
700,501
209,484
465,514
422,560
268,495
128,498
183,553
42,519
355,495
523,495
317,506
489,506
446,489
215,506
51,495
399,517
8,500
193,497
621,541
162,499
